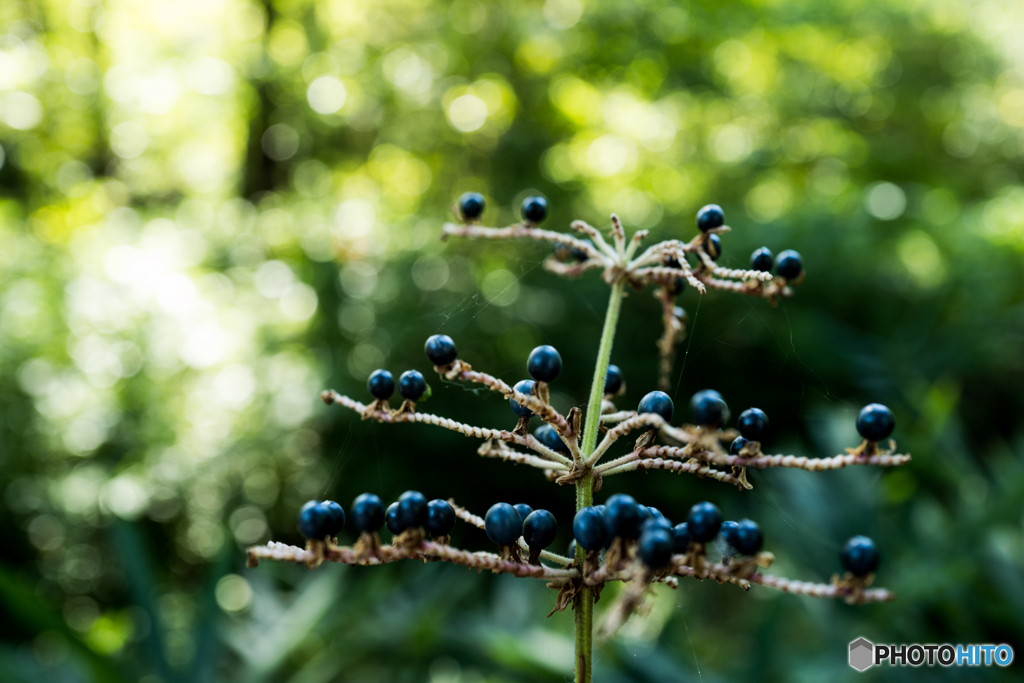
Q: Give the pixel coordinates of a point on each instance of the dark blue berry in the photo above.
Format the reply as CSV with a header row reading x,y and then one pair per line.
x,y
622,515
391,518
654,511
613,380
709,409
747,538
440,518
547,435
337,518
737,445
728,531
682,538
609,537
471,205
381,384
566,253
523,386
412,509
710,216
539,529
534,209
753,424
875,422
589,529
713,246
762,259
643,514
503,524
704,521
789,265
579,254
544,364
860,556
441,349
524,510
315,520
367,512
655,548
656,402
655,522
411,385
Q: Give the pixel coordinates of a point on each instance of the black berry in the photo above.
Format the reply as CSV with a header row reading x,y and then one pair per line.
x,y
381,384
710,216
440,518
762,259
656,402
441,349
753,424
544,364
709,409
704,521
471,205
860,556
655,548
503,524
337,514
539,529
875,422
789,265
655,522
394,524
728,532
412,509
747,538
523,386
547,435
411,385
534,209
713,246
613,380
367,512
589,530
315,520
737,445
682,538
523,509
622,516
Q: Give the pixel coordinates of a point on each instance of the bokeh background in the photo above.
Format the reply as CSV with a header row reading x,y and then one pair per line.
x,y
212,210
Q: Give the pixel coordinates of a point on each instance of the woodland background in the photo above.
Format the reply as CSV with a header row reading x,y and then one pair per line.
x,y
212,210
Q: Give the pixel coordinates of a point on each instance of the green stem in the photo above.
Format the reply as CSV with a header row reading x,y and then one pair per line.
x,y
585,486
604,355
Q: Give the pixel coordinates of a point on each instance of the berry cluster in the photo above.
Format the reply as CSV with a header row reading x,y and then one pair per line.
x,y
411,511
411,385
620,540
533,209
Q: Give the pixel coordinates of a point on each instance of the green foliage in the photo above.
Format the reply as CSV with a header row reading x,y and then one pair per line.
x,y
211,211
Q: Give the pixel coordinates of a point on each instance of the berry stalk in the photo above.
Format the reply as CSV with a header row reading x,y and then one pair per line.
x,y
584,619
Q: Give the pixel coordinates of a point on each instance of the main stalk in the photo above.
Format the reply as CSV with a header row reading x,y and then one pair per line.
x,y
585,485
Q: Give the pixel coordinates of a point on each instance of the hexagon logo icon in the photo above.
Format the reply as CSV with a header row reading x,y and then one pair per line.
x,y
862,654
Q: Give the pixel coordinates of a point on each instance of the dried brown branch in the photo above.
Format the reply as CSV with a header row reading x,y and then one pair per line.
x,y
767,461
424,549
552,459
703,471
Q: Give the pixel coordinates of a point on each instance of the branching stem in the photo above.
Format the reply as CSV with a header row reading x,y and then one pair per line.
x,y
585,485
